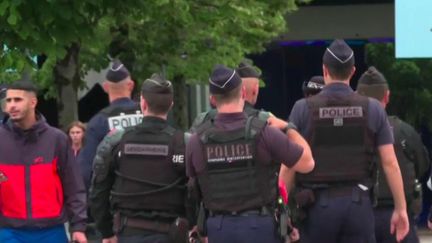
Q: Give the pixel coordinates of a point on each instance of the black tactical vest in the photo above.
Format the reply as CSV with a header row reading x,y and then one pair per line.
x,y
406,158
120,117
150,170
341,142
233,180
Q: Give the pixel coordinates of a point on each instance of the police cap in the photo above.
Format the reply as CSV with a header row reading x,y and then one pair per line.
x,y
157,85
246,70
313,86
338,55
3,89
117,72
223,80
372,83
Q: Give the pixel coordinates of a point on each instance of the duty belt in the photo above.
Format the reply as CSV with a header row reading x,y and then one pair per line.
x,y
263,211
145,224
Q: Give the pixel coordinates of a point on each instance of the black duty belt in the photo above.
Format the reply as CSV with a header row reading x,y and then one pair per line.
x,y
264,211
157,226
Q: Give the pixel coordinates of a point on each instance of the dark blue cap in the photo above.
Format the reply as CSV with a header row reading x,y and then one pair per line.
x,y
338,55
117,72
223,79
157,84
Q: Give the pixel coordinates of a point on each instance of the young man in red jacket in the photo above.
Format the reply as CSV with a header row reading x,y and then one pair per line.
x,y
40,185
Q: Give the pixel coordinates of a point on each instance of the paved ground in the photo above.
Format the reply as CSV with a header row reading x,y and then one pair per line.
x,y
425,236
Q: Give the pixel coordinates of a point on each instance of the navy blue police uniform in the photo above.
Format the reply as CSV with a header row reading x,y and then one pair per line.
x,y
233,159
138,189
121,113
412,158
343,129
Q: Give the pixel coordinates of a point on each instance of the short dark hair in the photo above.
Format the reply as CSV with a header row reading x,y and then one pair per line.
x,y
229,96
24,85
340,73
158,103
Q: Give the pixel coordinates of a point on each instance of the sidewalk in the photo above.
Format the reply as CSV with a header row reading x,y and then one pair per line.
x,y
425,236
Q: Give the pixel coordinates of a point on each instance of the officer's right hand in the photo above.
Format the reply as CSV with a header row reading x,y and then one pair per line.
x,y
399,224
112,239
429,223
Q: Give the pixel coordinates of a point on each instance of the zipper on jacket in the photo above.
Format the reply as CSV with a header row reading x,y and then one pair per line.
x,y
28,191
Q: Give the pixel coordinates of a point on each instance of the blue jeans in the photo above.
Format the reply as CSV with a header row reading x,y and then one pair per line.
x,y
55,234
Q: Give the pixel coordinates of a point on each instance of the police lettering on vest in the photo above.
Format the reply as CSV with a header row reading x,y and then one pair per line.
x,y
228,152
124,120
338,113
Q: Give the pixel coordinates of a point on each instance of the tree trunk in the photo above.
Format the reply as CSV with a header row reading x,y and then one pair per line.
x,y
180,109
66,75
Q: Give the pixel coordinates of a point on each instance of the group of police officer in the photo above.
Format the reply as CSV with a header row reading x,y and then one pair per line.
x,y
154,183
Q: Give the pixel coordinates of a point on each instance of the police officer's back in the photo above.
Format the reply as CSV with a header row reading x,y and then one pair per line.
x,y
140,175
412,157
233,157
121,113
344,129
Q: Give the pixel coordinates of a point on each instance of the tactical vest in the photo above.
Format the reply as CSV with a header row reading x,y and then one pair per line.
x,y
211,114
406,158
341,142
233,180
150,171
120,117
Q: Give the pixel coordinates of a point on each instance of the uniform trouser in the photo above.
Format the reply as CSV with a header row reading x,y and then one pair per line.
x,y
382,227
238,229
339,219
56,234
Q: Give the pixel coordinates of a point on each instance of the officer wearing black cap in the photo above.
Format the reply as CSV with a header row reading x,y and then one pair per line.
x,y
250,80
138,187
121,113
412,157
233,158
344,130
313,86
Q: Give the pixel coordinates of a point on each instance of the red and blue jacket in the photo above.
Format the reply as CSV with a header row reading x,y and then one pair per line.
x,y
40,184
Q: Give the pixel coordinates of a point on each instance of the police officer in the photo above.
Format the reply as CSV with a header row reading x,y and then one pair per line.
x,y
412,157
250,80
122,112
233,159
313,86
344,129
139,174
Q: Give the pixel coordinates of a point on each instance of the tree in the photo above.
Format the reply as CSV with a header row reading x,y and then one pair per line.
x,y
409,81
181,38
54,29
188,38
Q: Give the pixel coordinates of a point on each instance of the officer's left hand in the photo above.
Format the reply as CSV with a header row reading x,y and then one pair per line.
x,y
79,237
294,235
429,224
276,122
399,224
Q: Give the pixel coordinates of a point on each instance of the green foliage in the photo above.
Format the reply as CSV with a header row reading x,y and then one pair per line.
x,y
409,81
178,37
190,37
